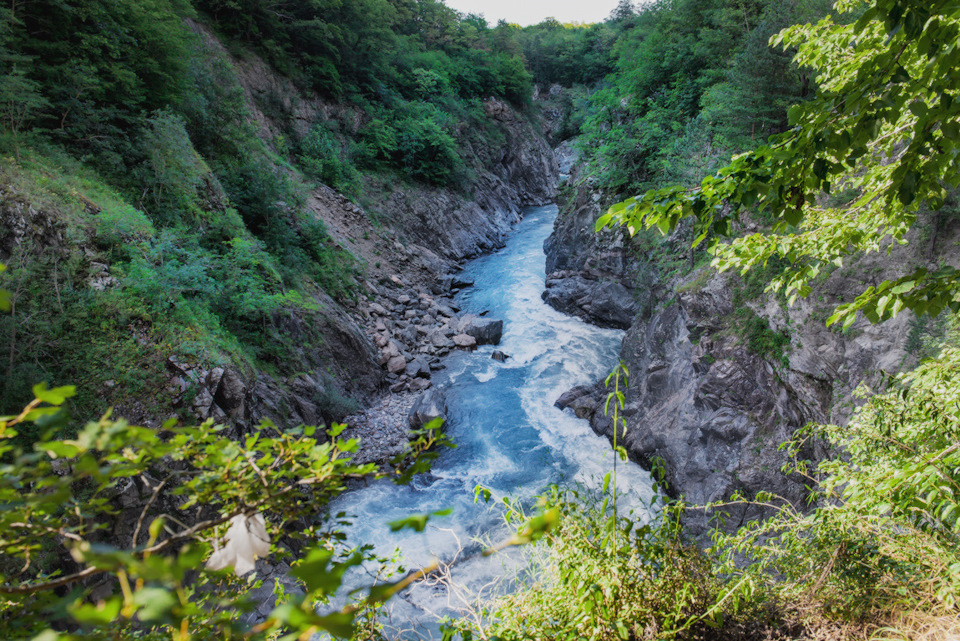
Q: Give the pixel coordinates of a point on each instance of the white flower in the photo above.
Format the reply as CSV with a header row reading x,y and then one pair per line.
x,y
246,539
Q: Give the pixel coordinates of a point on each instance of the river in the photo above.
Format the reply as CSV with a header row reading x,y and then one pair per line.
x,y
510,438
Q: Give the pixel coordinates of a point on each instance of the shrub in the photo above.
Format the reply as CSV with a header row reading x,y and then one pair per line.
x,y
883,539
172,170
426,151
321,156
199,525
121,223
601,578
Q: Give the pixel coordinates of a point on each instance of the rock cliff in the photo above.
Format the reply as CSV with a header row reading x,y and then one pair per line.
x,y
599,277
704,400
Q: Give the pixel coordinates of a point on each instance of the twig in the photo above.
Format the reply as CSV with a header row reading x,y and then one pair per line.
x,y
143,514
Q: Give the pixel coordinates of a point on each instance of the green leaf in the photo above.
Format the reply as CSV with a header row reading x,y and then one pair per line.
x,y
416,522
320,573
155,604
794,114
59,449
56,396
339,624
604,221
100,614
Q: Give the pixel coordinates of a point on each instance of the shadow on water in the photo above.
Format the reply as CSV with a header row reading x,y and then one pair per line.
x,y
510,437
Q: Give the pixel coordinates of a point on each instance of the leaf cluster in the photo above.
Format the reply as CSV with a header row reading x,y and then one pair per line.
x,y
61,497
882,125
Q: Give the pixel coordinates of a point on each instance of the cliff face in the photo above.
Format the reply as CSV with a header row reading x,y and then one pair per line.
x,y
600,277
712,409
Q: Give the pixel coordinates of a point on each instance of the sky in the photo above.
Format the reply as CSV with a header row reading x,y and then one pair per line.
x,y
528,12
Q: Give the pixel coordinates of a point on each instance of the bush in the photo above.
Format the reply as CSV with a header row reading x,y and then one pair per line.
x,y
172,171
321,156
882,542
202,523
761,339
603,577
426,151
121,223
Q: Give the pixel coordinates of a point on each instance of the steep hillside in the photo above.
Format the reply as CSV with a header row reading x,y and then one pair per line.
x,y
256,300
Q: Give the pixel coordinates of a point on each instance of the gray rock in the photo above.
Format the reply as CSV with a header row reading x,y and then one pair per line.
x,y
430,405
230,393
418,368
567,398
420,384
603,303
465,341
486,331
396,364
439,339
461,282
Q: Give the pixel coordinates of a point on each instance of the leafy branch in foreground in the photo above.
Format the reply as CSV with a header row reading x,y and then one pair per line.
x,y
62,526
884,126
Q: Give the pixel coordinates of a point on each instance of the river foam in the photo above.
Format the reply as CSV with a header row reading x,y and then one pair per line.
x,y
511,438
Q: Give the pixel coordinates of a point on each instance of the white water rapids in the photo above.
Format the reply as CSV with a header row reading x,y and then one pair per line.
x,y
511,439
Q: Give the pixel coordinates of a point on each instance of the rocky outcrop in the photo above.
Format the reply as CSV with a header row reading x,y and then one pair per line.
x,y
602,302
600,277
711,413
485,331
521,172
332,376
703,405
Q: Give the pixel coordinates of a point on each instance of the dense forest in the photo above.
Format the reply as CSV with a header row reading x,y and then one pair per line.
x,y
153,204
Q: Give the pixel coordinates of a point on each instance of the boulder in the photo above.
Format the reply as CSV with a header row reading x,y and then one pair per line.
x,y
396,364
464,341
418,367
460,282
486,331
430,405
438,339
419,385
230,393
567,398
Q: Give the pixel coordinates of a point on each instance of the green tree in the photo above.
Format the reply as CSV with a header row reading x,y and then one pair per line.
x,y
21,100
884,124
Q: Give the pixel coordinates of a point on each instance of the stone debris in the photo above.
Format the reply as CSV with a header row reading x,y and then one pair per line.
x,y
414,326
383,430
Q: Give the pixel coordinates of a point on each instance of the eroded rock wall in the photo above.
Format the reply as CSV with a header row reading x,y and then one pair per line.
x,y
700,401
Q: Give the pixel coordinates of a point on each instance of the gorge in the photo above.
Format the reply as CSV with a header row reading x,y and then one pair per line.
x,y
269,242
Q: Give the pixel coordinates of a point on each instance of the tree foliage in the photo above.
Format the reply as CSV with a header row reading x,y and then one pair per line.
x,y
883,124
63,498
693,83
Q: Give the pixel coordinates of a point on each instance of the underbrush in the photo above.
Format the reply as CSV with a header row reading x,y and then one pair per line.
x,y
103,292
874,556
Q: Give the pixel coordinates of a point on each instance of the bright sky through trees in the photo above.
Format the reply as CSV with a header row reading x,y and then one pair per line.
x,y
528,12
